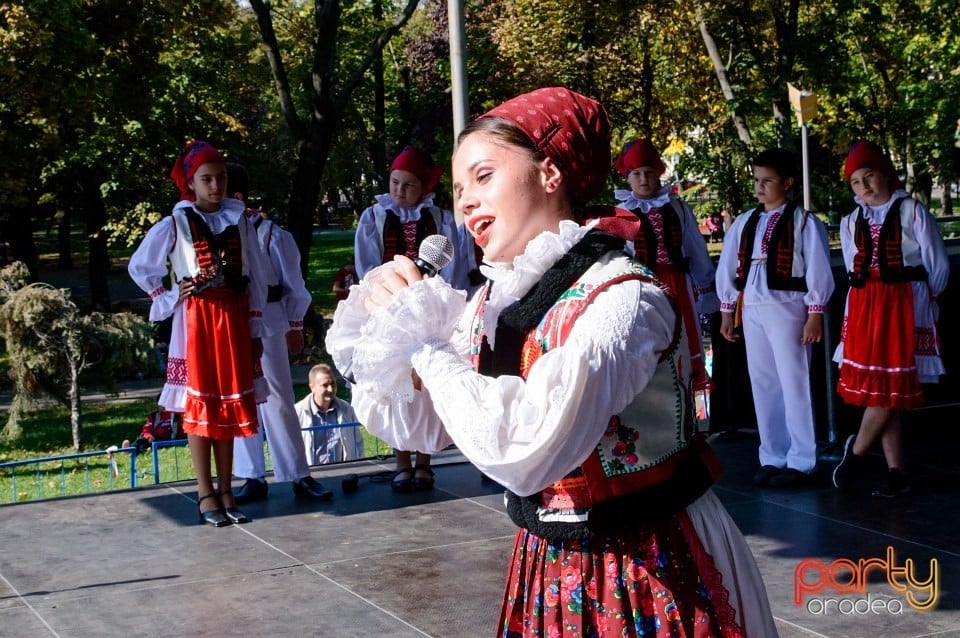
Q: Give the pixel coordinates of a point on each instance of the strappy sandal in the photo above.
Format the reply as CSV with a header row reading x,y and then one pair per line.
x,y
422,483
232,513
216,518
402,484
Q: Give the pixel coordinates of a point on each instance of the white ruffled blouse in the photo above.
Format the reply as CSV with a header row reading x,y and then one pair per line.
x,y
525,434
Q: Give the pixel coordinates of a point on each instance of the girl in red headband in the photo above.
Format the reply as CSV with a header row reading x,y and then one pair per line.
x,y
889,343
667,239
561,380
396,224
215,307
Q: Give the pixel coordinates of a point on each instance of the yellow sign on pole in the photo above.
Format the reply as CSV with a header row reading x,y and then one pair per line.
x,y
803,102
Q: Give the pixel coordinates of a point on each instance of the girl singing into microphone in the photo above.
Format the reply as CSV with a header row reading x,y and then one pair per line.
x,y
567,380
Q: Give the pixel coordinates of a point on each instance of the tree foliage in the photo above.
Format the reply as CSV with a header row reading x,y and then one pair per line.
x,y
98,95
56,351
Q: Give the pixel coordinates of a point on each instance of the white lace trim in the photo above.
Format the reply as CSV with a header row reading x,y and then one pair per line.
x,y
513,281
424,312
630,201
877,214
405,214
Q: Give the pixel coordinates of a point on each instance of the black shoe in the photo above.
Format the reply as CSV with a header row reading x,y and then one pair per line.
x,y
404,484
251,491
789,478
232,513
216,518
308,487
895,484
422,483
765,473
843,474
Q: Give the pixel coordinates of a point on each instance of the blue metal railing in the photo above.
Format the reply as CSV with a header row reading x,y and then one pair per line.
x,y
40,474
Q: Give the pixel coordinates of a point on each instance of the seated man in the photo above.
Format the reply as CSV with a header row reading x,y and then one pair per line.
x,y
323,407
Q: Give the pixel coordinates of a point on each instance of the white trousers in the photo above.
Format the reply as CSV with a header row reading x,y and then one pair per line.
x,y
779,367
278,419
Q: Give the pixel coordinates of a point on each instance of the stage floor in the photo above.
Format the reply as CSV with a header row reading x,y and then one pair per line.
x,y
374,563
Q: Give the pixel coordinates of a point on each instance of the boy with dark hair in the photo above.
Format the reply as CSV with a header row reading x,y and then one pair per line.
x,y
287,301
774,279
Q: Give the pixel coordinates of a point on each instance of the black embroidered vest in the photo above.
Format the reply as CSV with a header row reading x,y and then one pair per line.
x,y
394,238
220,257
645,243
780,250
890,255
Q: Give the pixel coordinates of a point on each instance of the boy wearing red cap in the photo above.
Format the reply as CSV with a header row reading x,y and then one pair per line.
x,y
396,224
668,240
889,344
774,273
216,308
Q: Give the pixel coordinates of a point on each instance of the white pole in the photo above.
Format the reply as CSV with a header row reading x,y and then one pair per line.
x,y
806,167
458,65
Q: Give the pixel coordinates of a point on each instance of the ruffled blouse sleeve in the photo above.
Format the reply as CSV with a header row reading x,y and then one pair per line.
x,y
148,267
524,434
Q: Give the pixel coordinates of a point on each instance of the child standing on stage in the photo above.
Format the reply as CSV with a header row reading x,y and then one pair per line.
x,y
282,329
216,306
889,344
396,225
774,272
668,241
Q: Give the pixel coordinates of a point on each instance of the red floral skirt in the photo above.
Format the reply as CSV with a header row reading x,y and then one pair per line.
x,y
658,582
879,367
220,401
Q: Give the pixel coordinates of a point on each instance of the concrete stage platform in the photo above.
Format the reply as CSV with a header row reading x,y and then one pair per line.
x,y
373,563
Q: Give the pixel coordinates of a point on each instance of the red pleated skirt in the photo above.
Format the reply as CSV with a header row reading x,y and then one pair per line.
x,y
879,367
657,582
220,400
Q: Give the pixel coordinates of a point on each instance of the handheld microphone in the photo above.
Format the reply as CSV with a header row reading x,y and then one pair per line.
x,y
436,251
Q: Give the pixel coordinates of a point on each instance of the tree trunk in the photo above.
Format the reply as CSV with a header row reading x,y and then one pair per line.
x,y
75,411
379,145
96,215
65,258
20,235
313,139
725,87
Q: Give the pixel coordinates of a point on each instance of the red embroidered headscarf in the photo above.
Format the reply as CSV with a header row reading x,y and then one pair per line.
x,y
194,155
637,153
866,154
415,161
569,128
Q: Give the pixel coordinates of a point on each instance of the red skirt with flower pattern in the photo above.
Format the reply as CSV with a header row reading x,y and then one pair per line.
x,y
879,367
657,582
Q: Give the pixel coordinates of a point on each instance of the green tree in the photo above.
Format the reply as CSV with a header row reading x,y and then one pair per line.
x,y
328,94
55,351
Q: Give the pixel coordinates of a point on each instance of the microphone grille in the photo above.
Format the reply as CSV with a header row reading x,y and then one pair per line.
x,y
436,250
